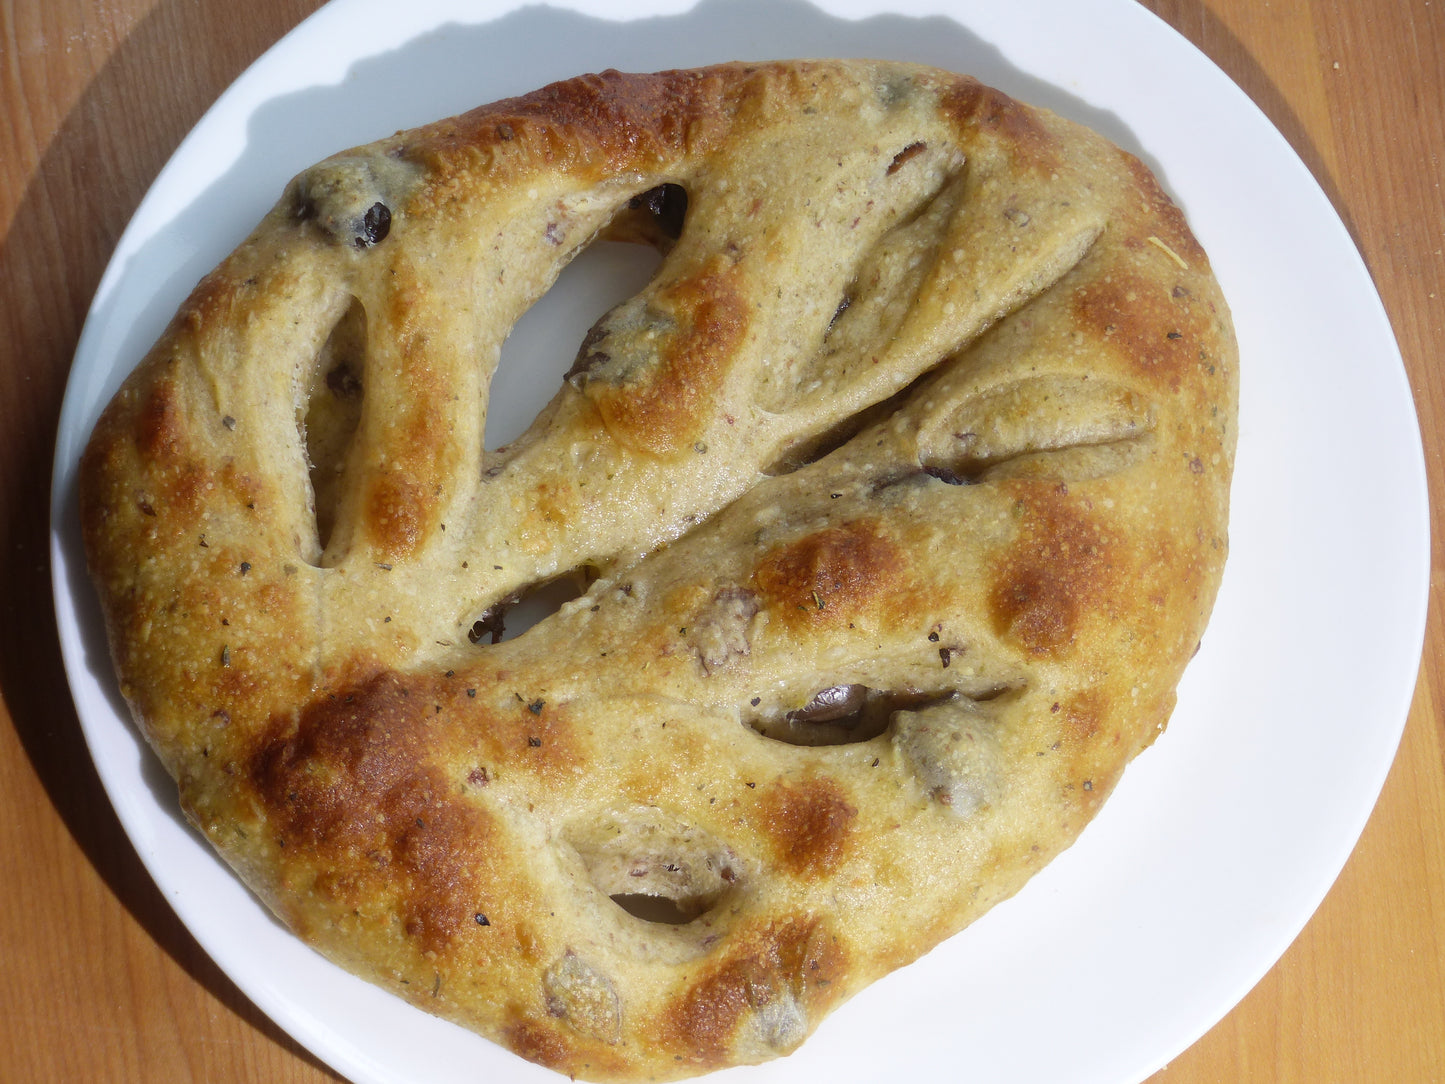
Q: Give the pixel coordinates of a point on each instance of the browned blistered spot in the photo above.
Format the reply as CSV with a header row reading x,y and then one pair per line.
x,y
159,431
827,577
1081,717
248,673
402,501
1062,564
551,507
188,488
396,513
210,302
809,822
793,956
1160,335
175,487
593,125
977,108
245,489
530,944
667,404
540,1043
704,1019
561,1049
178,497
350,787
618,111
531,734
345,887
412,313
441,843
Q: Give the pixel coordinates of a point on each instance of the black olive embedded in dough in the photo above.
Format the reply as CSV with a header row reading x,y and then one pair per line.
x,y
375,225
351,198
667,203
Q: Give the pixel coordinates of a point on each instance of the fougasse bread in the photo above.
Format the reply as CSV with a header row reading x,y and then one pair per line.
x,y
897,501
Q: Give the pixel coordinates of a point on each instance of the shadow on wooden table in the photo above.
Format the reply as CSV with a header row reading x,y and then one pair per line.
x,y
93,173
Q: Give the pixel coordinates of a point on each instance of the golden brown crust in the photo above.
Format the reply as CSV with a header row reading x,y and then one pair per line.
x,y
903,487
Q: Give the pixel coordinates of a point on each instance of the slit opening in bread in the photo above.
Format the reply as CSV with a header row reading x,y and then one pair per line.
x,y
662,910
333,413
612,267
601,276
654,866
821,445
838,714
655,217
1045,426
509,617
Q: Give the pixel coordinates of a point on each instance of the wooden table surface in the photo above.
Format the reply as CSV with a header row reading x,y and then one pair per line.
x,y
100,980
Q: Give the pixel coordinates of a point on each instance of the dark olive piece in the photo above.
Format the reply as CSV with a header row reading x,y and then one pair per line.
x,y
490,624
831,705
943,474
375,225
668,204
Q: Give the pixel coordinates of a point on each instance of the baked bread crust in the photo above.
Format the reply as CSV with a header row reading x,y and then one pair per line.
x,y
902,491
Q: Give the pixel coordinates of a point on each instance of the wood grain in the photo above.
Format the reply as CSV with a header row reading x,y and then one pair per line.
x,y
103,983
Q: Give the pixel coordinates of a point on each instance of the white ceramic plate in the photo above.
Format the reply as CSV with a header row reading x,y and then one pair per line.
x,y
1221,840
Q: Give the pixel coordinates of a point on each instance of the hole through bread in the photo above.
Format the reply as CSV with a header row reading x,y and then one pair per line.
x,y
509,617
654,217
332,414
543,343
654,866
661,909
837,714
